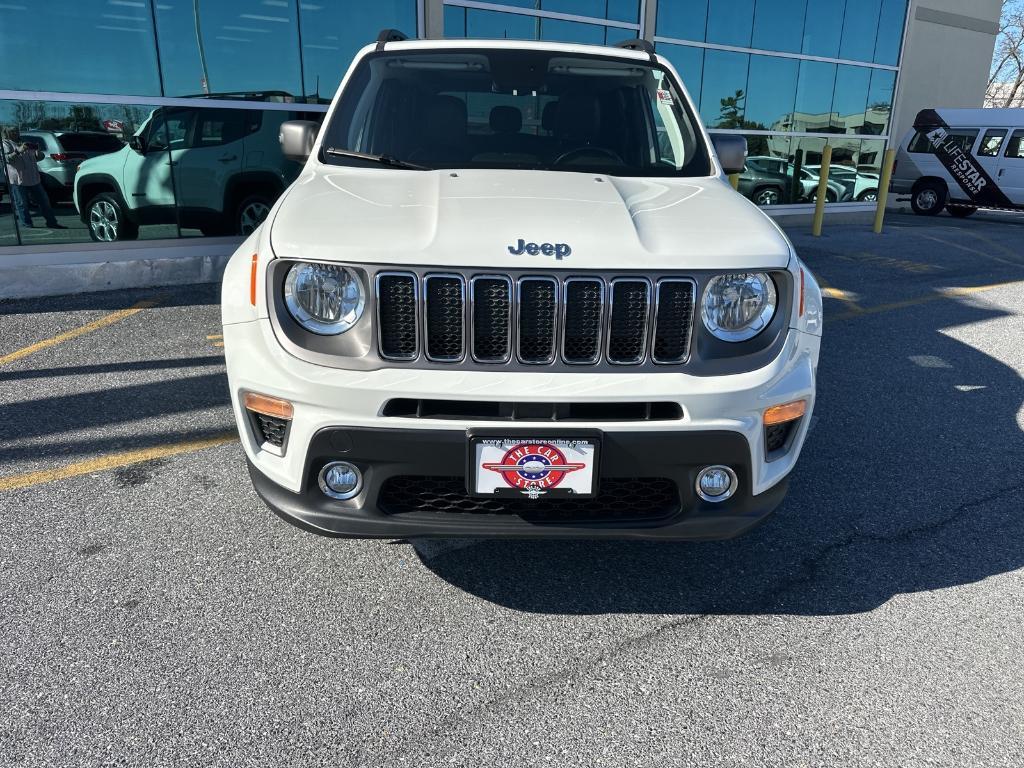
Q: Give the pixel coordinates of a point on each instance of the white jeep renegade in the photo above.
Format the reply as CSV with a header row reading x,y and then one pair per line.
x,y
513,294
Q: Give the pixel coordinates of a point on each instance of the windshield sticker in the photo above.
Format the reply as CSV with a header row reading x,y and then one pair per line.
x,y
665,97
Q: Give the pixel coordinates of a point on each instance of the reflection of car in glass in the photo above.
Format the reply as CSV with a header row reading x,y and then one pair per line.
x,y
64,152
769,181
857,185
216,170
496,303
764,180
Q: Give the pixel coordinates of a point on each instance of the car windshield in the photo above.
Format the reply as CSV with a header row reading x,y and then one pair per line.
x,y
519,109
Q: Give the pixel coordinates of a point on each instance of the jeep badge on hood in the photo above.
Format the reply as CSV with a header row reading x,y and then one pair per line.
x,y
558,250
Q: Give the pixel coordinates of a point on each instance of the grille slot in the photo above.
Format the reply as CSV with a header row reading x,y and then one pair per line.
x,y
627,326
538,307
397,334
491,328
271,429
649,498
582,316
673,321
444,298
492,410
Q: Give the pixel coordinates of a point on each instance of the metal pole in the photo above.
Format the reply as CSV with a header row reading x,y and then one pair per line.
x,y
883,188
734,179
819,203
202,51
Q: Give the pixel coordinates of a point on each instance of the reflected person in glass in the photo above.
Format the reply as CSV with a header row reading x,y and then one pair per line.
x,y
25,182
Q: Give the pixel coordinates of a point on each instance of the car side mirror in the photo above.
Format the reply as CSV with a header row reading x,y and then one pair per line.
x,y
731,150
297,138
138,144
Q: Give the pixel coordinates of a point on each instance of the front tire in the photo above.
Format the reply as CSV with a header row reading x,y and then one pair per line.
x,y
251,213
107,221
929,199
868,196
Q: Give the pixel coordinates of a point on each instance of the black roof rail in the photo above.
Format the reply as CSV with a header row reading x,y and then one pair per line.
x,y
390,36
637,45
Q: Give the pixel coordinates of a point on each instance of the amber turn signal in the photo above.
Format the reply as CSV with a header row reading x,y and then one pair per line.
x,y
268,406
780,414
252,279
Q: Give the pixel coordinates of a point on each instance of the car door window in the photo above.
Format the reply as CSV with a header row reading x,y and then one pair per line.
x,y
215,127
169,130
992,142
1015,147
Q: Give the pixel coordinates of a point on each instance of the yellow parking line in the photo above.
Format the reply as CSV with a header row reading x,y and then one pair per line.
x,y
218,343
975,251
944,293
112,461
76,332
215,336
835,293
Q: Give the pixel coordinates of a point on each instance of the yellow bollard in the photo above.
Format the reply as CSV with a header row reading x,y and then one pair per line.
x,y
883,188
819,204
734,179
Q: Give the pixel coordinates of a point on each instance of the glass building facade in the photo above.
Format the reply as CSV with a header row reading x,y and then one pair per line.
x,y
168,109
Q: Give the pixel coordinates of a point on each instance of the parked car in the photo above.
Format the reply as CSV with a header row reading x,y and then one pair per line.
x,y
216,170
585,333
764,173
64,152
995,140
854,185
764,181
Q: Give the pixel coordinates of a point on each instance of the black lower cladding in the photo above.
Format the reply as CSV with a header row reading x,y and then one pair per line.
x,y
414,485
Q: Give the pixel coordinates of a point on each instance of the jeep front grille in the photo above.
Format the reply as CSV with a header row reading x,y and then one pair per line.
x,y
534,320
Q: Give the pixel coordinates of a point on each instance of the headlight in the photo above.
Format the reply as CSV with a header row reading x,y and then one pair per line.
x,y
324,298
738,307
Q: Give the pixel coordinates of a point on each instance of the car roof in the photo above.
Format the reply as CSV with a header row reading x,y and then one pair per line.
x,y
526,45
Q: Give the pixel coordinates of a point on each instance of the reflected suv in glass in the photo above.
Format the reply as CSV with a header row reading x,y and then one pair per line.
x,y
64,152
215,170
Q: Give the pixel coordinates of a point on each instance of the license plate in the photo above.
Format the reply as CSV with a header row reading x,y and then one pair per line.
x,y
534,467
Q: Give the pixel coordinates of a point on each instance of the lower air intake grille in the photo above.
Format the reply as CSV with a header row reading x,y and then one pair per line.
x,y
618,499
272,430
396,299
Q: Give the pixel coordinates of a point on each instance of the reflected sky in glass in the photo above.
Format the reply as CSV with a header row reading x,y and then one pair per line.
x,y
851,97
814,89
890,32
725,78
779,25
730,22
860,30
683,19
771,91
823,27
688,61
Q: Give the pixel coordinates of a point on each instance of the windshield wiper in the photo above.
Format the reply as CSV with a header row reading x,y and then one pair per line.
x,y
394,162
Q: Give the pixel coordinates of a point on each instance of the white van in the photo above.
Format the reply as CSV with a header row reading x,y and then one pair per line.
x,y
994,139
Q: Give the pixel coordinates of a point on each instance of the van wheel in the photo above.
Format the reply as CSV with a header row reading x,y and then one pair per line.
x,y
830,196
767,196
106,219
961,212
251,213
929,199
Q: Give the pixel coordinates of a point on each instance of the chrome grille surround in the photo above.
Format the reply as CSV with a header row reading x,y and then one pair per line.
x,y
626,332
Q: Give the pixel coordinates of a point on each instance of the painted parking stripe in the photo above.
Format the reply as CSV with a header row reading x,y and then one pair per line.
x,y
95,325
944,293
112,461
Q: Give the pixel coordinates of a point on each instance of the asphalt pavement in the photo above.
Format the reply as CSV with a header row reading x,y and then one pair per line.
x,y
154,613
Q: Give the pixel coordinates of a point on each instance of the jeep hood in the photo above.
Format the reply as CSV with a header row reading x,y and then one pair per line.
x,y
470,218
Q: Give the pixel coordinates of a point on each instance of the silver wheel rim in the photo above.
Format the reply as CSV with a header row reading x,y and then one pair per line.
x,y
252,216
927,199
870,197
768,197
103,221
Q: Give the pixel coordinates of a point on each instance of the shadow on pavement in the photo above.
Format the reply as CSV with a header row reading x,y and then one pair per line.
x,y
911,480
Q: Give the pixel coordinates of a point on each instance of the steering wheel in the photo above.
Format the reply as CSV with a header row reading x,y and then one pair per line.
x,y
572,154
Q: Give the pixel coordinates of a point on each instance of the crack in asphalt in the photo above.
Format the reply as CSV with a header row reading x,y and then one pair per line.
x,y
811,568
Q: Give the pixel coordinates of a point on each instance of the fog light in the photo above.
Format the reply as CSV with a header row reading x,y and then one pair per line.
x,y
716,483
341,480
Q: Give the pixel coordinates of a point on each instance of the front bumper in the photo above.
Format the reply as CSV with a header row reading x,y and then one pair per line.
x,y
647,483
338,414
